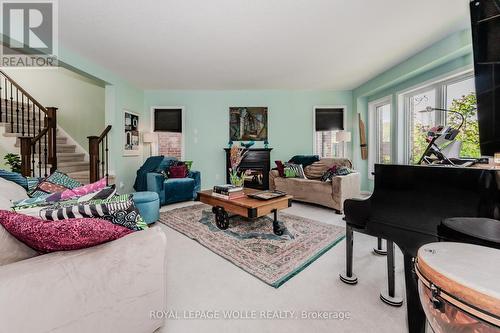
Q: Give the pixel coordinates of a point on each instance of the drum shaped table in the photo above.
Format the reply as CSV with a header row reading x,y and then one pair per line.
x,y
246,207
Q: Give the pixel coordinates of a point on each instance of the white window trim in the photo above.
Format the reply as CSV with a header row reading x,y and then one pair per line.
x,y
403,105
183,126
372,132
338,106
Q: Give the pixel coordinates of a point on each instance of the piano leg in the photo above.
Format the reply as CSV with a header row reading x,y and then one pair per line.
x,y
388,295
348,277
379,249
416,316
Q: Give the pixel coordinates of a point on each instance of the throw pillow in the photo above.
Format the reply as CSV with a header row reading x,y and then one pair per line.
x,y
281,168
63,235
289,172
316,170
78,191
304,160
297,168
335,171
119,210
56,182
178,171
14,177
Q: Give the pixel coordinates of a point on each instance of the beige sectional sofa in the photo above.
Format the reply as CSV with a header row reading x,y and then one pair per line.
x,y
112,287
330,194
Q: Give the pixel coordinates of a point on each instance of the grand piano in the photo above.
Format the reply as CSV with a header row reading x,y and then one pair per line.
x,y
409,204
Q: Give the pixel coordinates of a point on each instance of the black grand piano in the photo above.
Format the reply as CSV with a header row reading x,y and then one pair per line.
x,y
409,204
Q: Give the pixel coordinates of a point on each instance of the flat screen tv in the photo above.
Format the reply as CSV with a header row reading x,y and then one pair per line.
x,y
168,120
485,21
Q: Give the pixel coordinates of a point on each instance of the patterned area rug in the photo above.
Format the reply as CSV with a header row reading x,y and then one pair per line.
x,y
252,245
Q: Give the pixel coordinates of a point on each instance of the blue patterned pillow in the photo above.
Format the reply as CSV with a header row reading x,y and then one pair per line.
x,y
14,177
56,182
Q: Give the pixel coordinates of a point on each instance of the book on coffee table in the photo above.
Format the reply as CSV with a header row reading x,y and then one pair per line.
x,y
267,195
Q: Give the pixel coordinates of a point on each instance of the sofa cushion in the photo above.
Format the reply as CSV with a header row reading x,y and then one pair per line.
x,y
12,250
12,191
337,161
16,178
316,170
63,235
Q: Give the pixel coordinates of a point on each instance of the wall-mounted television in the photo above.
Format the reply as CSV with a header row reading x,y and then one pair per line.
x,y
168,120
485,21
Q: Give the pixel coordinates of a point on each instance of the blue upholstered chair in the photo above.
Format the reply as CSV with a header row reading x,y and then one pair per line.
x,y
173,189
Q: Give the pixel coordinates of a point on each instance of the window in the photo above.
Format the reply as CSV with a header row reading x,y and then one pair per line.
x,y
455,94
380,143
328,121
167,123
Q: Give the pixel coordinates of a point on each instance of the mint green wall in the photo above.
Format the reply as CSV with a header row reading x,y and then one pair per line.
x,y
450,54
80,100
119,95
290,120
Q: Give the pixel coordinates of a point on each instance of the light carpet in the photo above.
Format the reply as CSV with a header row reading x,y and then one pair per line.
x,y
251,244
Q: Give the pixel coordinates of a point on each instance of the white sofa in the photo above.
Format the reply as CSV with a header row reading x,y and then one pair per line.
x,y
112,287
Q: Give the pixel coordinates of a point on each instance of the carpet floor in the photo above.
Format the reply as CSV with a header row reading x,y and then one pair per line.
x,y
251,244
199,280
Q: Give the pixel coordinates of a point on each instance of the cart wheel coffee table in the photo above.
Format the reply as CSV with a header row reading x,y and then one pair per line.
x,y
246,207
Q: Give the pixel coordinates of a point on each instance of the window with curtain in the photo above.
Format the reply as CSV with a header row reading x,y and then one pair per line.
x,y
380,132
328,120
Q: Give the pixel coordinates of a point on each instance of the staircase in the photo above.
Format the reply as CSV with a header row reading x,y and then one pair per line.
x,y
23,119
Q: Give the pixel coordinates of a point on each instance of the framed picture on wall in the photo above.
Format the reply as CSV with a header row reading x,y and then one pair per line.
x,y
131,133
248,123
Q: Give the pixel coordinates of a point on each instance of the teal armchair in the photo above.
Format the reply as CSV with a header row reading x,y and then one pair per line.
x,y
173,190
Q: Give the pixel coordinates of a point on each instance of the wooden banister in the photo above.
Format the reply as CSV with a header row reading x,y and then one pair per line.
x,y
98,156
36,124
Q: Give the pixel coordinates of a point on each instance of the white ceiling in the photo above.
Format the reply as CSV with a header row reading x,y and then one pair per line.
x,y
254,44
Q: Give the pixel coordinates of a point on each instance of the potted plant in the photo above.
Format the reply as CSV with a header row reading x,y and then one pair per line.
x,y
14,161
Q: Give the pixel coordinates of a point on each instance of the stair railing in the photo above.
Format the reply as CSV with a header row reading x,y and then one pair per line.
x,y
36,124
98,153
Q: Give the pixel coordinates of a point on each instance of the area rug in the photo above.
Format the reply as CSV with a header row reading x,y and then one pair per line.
x,y
252,245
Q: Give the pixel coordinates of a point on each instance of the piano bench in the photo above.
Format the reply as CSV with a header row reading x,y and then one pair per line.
x,y
475,230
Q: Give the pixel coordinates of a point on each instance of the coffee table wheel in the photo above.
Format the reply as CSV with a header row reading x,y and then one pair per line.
x,y
221,219
278,229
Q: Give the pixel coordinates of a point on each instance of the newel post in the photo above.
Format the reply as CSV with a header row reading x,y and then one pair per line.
x,y
52,137
25,155
94,158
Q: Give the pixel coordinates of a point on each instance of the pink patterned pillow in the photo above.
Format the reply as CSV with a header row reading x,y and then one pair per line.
x,y
62,235
78,191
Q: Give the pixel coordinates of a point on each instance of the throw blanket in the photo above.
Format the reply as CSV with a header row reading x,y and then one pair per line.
x,y
151,164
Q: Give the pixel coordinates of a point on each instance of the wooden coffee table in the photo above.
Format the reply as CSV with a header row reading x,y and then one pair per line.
x,y
246,207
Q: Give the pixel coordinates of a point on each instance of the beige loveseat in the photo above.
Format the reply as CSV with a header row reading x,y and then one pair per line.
x,y
112,287
330,194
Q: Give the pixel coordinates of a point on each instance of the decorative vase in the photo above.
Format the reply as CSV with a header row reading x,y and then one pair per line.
x,y
266,144
236,179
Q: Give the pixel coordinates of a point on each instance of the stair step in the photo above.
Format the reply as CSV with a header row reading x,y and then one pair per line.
x,y
62,148
83,177
73,166
60,139
70,157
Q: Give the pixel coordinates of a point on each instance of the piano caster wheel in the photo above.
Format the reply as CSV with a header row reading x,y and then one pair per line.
x,y
380,252
396,301
348,279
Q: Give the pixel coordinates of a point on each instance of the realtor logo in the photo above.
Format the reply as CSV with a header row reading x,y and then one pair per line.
x,y
29,33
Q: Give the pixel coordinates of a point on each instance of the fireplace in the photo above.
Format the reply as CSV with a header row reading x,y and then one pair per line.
x,y
257,164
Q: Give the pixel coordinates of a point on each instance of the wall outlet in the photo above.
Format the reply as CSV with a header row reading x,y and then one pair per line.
x,y
217,177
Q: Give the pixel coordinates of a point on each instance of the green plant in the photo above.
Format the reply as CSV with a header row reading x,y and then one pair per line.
x,y
14,161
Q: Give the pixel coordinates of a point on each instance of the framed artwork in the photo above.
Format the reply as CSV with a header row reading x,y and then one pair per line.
x,y
131,133
248,123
